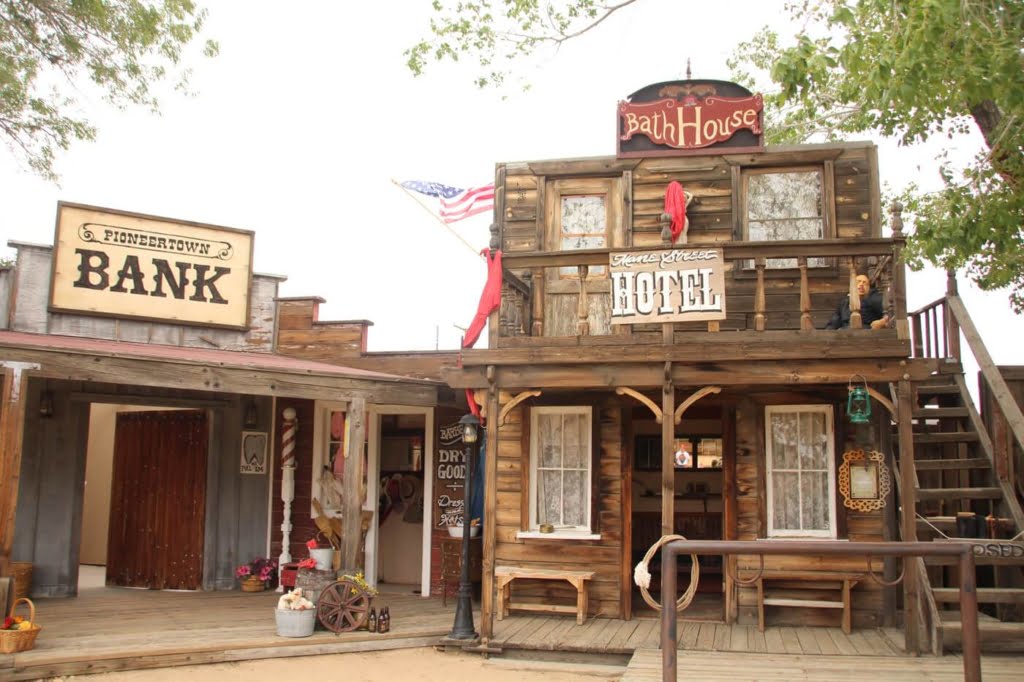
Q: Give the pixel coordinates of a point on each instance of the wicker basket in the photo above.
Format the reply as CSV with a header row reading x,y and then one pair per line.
x,y
253,584
13,641
22,573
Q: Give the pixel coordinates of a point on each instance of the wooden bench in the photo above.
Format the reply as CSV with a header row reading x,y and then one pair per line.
x,y
504,575
792,581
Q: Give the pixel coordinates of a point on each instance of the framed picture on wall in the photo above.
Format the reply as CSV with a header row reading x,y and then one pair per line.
x,y
689,452
254,452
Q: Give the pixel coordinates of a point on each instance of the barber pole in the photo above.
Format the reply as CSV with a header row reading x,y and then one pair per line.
x,y
287,486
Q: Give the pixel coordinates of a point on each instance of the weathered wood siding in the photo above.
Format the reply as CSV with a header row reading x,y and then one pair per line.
x,y
27,294
850,174
603,556
301,334
752,525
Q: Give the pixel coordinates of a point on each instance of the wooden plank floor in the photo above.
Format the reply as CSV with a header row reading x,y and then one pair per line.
x,y
645,666
610,636
109,629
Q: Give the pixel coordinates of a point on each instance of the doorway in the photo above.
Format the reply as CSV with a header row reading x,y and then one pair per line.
x,y
398,548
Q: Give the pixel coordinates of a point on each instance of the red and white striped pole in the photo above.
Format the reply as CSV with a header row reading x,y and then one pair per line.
x,y
288,429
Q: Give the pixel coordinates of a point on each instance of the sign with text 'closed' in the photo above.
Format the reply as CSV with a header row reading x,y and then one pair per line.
x,y
118,264
678,285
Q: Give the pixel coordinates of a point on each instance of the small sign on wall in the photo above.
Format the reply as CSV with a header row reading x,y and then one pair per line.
x,y
254,452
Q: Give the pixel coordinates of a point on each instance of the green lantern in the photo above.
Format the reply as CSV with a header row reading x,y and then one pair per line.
x,y
858,404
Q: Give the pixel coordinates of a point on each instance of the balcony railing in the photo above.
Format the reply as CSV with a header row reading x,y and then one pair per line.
x,y
749,280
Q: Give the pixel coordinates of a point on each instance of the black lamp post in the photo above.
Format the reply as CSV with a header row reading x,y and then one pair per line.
x,y
463,627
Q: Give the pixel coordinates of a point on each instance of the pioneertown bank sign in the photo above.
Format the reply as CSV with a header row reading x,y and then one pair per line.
x,y
118,264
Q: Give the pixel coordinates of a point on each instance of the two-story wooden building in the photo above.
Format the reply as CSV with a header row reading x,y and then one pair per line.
x,y
660,364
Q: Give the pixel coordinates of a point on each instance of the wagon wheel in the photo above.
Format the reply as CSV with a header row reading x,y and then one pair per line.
x,y
343,606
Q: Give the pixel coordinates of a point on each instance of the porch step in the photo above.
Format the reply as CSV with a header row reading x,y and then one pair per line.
x,y
986,595
944,464
995,635
946,437
925,494
941,413
937,389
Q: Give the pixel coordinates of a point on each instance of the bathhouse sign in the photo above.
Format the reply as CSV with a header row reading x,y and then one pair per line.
x,y
117,264
676,118
680,285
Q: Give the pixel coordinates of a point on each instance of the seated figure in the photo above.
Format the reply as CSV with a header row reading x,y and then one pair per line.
x,y
872,312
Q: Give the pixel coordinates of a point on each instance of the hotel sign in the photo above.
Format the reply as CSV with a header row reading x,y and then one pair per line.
x,y
117,264
680,285
685,117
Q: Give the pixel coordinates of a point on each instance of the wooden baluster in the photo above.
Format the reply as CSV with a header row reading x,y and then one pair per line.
x,y
805,296
899,275
855,320
583,306
538,302
918,341
759,300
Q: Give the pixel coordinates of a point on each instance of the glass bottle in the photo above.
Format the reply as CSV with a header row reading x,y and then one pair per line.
x,y
371,624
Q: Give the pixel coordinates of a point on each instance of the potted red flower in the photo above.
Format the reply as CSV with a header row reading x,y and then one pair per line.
x,y
257,575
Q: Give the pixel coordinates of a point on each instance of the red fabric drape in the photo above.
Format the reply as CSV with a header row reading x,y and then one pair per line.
x,y
490,299
675,206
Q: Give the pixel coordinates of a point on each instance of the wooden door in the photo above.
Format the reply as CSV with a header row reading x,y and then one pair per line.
x,y
581,213
158,500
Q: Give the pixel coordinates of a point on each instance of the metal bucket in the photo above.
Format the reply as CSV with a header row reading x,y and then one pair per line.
x,y
295,623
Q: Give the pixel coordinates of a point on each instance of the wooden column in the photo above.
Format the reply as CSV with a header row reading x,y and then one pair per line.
x,y
352,503
855,320
952,328
759,298
668,460
805,296
12,420
490,474
899,281
908,502
583,305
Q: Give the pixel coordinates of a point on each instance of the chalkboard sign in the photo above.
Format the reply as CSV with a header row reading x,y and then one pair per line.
x,y
450,477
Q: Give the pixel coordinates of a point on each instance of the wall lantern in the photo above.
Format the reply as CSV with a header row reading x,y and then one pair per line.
x,y
469,427
252,415
46,404
858,402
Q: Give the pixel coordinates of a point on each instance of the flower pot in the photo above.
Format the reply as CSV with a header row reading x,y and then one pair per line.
x,y
324,558
295,623
253,584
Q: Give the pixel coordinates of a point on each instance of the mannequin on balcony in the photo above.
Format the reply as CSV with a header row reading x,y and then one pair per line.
x,y
872,310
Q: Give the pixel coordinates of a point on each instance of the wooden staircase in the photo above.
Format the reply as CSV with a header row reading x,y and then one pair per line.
x,y
953,459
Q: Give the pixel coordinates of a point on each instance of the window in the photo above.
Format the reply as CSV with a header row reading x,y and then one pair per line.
x,y
800,471
330,432
560,467
584,225
785,205
704,452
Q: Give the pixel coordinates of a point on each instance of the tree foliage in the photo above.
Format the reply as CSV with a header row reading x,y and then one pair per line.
x,y
498,33
52,48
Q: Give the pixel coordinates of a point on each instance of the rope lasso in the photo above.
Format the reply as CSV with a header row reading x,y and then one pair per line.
x,y
642,577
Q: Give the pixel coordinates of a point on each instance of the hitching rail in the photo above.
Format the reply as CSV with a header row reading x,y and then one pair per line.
x,y
968,595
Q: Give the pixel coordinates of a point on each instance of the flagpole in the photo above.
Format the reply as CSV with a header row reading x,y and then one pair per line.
x,y
437,218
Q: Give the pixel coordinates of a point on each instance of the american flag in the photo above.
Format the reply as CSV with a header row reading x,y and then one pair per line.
x,y
456,203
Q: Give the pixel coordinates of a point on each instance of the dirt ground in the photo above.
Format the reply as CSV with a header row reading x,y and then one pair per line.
x,y
400,665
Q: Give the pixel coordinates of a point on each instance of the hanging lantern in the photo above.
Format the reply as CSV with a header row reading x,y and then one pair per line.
x,y
858,403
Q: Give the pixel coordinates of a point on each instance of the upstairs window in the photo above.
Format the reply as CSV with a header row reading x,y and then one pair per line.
x,y
784,205
583,225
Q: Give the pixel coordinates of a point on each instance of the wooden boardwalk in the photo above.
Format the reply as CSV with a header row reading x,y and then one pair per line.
x,y
645,666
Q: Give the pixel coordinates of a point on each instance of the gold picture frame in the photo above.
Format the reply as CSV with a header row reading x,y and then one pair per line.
x,y
864,480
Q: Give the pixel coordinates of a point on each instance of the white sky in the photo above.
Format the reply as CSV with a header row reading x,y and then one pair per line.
x,y
309,112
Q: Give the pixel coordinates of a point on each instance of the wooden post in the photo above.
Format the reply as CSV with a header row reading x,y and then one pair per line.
x,y
805,296
583,305
12,420
759,300
668,460
899,277
537,309
354,488
952,327
490,474
855,319
908,502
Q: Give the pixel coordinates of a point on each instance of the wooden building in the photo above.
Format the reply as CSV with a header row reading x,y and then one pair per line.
x,y
637,386
147,372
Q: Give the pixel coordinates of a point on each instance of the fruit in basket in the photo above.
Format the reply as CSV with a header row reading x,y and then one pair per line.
x,y
25,625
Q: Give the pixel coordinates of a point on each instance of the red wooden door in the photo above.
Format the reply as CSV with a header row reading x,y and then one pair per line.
x,y
158,500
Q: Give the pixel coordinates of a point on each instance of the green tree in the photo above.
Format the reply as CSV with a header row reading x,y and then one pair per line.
x,y
51,48
913,70
496,38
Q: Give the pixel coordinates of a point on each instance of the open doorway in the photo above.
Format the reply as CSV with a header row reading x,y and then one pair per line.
x,y
698,510
400,541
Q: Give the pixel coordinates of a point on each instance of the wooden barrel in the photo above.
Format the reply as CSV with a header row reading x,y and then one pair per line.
x,y
313,582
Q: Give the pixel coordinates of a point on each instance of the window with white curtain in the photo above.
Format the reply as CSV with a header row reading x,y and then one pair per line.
x,y
800,471
560,443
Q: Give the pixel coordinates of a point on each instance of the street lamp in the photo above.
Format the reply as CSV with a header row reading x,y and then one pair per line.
x,y
463,626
